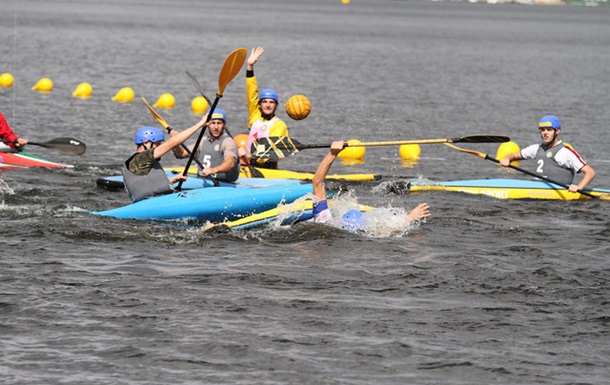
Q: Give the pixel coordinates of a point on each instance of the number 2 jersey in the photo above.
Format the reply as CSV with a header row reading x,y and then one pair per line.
x,y
559,162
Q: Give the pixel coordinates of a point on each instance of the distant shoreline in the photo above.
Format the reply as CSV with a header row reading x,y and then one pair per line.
x,y
588,3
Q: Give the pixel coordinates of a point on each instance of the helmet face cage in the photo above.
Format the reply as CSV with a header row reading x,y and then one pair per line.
x,y
150,134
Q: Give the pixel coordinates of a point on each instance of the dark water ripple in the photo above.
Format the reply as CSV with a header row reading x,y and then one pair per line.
x,y
483,292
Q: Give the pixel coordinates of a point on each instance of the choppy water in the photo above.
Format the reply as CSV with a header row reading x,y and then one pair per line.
x,y
485,292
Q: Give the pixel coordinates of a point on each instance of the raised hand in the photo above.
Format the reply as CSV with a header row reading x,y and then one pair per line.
x,y
253,58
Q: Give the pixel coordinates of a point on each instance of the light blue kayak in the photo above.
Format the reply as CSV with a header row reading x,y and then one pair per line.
x,y
215,204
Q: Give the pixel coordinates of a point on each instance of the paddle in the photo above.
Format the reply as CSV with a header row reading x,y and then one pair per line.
x,y
199,88
230,69
67,146
278,147
485,156
169,129
253,172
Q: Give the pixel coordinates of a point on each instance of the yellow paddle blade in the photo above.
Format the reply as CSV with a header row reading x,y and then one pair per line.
x,y
479,154
157,116
231,68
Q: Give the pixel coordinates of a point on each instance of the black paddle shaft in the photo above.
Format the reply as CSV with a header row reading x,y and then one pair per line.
x,y
274,148
540,177
67,146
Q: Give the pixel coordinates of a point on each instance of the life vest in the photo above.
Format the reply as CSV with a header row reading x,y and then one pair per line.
x,y
211,155
141,187
546,165
259,129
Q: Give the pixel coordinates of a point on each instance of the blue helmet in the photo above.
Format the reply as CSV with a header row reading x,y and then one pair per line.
x,y
151,134
219,114
268,93
549,121
353,220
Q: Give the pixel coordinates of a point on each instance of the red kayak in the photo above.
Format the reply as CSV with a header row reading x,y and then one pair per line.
x,y
9,160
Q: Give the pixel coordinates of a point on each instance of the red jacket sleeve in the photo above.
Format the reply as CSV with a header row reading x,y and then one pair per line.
x,y
5,131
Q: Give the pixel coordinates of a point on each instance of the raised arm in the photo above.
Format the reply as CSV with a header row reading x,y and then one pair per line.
x,y
179,138
324,167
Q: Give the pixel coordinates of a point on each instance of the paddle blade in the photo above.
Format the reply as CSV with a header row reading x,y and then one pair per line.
x,y
274,148
199,88
473,152
231,68
157,116
481,139
67,146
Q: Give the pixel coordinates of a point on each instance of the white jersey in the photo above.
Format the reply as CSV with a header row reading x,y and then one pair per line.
x,y
559,162
566,157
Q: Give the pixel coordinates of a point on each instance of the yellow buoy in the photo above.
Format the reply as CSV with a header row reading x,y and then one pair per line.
x,y
6,80
507,148
352,152
409,151
345,1
165,101
241,140
125,95
83,91
199,105
43,85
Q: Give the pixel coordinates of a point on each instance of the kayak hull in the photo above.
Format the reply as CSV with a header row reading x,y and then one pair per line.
x,y
294,212
284,215
505,189
214,204
14,160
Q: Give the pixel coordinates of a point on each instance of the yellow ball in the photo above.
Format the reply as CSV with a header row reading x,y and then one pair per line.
x,y
241,140
124,95
199,105
6,80
352,152
507,148
43,85
83,90
165,101
298,107
409,151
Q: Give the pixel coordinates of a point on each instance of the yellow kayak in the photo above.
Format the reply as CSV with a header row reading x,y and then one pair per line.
x,y
286,214
508,189
256,172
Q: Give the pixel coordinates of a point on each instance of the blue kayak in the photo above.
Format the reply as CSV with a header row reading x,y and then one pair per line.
x,y
214,204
